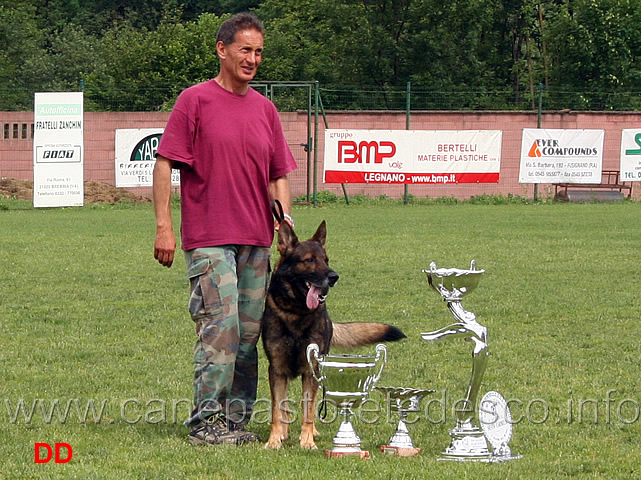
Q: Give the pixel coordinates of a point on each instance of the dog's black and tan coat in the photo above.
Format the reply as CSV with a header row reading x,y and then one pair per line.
x,y
296,316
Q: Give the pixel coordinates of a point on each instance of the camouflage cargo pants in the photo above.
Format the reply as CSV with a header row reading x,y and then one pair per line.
x,y
228,287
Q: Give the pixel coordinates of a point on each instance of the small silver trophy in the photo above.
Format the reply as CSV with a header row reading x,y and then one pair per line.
x,y
347,381
404,401
468,441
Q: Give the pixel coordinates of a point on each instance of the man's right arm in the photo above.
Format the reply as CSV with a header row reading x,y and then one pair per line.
x,y
165,243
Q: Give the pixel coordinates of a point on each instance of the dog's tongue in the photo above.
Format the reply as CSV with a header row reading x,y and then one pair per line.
x,y
312,297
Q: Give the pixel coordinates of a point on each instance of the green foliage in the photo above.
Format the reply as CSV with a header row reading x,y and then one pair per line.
x,y
326,198
498,199
164,62
471,55
596,46
21,42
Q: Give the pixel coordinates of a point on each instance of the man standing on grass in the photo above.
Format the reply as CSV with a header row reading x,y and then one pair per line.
x,y
228,143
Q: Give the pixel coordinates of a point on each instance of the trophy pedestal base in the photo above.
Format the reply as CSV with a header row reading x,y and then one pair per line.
x,y
339,454
468,445
346,442
489,459
445,457
504,458
400,451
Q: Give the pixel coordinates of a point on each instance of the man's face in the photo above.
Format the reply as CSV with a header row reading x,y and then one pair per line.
x,y
240,60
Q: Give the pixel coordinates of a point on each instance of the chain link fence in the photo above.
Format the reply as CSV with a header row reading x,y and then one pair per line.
x,y
161,98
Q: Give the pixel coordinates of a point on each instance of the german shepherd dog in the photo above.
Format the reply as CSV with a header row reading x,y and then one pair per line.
x,y
296,316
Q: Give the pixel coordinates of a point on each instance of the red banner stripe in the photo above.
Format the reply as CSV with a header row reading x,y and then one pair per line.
x,y
338,176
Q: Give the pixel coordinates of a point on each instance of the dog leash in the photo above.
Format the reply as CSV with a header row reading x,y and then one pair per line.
x,y
279,213
277,210
322,412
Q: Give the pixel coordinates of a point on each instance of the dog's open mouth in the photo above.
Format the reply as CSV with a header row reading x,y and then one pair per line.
x,y
315,296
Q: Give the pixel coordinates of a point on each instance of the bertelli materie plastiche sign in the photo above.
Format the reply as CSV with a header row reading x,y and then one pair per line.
x,y
412,156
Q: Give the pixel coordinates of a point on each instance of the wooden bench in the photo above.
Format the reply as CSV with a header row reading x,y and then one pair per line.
x,y
610,188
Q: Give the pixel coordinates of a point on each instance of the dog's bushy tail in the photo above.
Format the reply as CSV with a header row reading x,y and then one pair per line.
x,y
358,334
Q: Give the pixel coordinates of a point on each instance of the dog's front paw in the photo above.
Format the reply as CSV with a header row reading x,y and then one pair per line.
x,y
308,445
307,439
274,443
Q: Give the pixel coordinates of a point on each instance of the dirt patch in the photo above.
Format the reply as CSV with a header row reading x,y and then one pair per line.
x,y
14,188
95,192
98,192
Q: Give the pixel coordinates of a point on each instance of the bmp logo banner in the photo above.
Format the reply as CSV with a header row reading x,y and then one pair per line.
x,y
411,156
365,151
54,453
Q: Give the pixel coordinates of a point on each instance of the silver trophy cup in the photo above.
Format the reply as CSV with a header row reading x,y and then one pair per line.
x,y
468,441
346,381
403,401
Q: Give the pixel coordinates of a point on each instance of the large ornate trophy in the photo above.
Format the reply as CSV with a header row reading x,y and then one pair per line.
x,y
403,401
468,440
347,381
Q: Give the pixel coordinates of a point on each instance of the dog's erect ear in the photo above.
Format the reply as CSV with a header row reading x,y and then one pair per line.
x,y
321,234
287,239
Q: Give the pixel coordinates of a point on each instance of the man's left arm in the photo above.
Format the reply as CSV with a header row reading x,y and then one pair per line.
x,y
279,190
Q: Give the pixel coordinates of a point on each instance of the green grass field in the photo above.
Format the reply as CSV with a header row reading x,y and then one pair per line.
x,y
88,319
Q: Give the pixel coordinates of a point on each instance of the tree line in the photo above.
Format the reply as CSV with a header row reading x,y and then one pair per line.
x,y
485,53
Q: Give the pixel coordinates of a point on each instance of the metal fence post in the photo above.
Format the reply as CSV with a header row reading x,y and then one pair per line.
x,y
538,125
317,101
408,95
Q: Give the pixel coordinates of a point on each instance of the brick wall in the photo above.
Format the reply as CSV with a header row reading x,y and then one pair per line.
x,y
16,158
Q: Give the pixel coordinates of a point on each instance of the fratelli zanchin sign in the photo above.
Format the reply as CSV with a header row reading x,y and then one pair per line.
x,y
58,150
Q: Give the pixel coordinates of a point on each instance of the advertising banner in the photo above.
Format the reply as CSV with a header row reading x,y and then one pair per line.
x,y
136,157
630,169
58,149
412,156
561,156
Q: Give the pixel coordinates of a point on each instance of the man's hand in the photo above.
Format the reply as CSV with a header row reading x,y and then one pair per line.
x,y
165,244
279,190
165,247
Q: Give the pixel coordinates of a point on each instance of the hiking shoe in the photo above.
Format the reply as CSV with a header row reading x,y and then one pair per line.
x,y
239,429
216,432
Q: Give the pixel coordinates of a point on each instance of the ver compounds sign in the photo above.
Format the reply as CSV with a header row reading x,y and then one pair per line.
x,y
561,156
412,156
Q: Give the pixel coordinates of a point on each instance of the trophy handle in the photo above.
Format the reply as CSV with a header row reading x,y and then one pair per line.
x,y
381,351
312,349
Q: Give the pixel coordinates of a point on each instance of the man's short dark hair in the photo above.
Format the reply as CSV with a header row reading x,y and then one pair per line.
x,y
237,22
